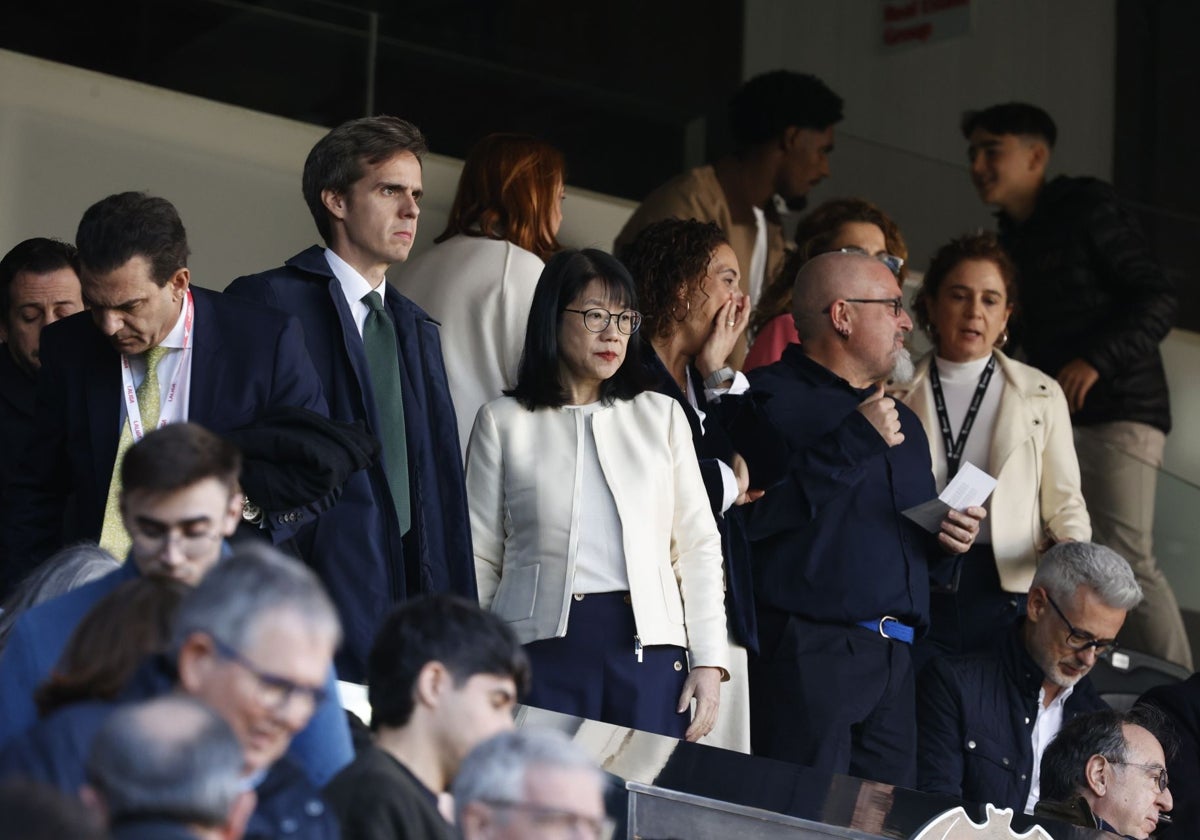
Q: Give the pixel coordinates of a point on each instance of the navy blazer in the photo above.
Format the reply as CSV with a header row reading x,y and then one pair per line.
x,y
356,547
713,445
246,359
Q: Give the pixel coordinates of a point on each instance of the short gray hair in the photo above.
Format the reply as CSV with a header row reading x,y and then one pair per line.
x,y
1070,565
171,757
495,770
67,569
239,591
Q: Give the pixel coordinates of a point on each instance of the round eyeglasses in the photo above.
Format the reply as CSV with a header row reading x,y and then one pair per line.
x,y
597,320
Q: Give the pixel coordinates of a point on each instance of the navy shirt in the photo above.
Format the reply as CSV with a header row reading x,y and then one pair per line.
x,y
829,542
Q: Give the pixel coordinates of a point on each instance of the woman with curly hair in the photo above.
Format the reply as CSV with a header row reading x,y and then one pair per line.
x,y
833,226
687,282
478,279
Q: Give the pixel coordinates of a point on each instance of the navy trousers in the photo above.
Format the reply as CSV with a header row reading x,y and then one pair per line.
x,y
594,671
839,699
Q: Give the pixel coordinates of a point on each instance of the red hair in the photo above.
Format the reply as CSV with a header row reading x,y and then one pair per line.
x,y
509,189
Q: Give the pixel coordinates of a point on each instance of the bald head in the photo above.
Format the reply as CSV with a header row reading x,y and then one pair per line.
x,y
843,307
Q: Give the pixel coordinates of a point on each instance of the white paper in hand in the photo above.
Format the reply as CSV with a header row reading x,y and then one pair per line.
x,y
969,488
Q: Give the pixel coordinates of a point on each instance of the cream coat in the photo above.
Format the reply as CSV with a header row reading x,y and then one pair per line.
x,y
1033,460
523,488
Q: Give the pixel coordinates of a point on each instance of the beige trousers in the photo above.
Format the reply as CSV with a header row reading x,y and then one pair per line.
x,y
1118,465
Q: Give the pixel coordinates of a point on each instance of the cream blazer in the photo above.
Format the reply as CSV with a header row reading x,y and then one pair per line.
x,y
524,476
1033,459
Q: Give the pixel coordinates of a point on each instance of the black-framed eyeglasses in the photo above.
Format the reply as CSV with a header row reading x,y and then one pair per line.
x,y
897,303
893,262
274,691
558,819
1159,773
597,320
1080,640
159,537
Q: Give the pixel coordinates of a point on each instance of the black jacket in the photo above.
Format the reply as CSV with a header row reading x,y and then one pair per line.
x,y
1089,288
975,716
1181,704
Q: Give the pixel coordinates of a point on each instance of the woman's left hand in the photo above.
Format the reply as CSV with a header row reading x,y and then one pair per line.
x,y
703,684
729,325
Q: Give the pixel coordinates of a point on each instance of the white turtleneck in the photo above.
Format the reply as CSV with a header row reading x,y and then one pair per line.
x,y
959,381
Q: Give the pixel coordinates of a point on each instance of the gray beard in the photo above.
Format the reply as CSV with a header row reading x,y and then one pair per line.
x,y
902,367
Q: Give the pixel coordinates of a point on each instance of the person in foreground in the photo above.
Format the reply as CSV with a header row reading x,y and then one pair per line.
x,y
533,784
254,641
169,768
841,576
443,676
1108,770
180,500
592,529
984,719
1005,417
1179,704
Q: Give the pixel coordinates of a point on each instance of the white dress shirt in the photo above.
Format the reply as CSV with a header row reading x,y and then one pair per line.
x,y
354,286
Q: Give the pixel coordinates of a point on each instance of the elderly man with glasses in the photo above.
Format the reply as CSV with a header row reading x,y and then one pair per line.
x,y
841,578
1108,770
253,641
985,719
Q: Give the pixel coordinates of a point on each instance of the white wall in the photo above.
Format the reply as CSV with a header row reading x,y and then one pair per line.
x,y
899,144
69,137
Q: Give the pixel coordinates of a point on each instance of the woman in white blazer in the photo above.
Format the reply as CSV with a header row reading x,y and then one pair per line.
x,y
1007,418
591,525
478,278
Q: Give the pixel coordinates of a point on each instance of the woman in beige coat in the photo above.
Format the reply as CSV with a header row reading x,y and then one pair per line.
x,y
1005,417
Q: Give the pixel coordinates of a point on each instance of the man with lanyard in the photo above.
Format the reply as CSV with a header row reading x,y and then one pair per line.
x,y
180,500
151,351
841,577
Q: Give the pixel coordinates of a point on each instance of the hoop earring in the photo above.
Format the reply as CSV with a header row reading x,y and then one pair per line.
x,y
687,310
1002,340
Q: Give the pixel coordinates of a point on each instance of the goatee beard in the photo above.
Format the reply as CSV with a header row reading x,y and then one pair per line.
x,y
902,367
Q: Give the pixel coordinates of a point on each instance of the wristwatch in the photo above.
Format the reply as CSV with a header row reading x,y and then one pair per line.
x,y
719,377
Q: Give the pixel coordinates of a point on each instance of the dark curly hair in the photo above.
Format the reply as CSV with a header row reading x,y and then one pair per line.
x,y
668,261
814,235
972,246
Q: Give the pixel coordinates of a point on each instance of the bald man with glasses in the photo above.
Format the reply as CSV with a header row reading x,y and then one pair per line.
x,y
985,719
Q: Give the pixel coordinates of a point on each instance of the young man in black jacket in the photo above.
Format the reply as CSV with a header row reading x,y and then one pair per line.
x,y
1094,307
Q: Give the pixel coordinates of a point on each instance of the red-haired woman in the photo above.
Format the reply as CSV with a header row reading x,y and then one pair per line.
x,y
479,277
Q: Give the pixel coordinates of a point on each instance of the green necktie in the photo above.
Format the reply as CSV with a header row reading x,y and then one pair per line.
x,y
113,537
383,361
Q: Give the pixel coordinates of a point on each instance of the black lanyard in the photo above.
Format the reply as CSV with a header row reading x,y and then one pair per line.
x,y
954,450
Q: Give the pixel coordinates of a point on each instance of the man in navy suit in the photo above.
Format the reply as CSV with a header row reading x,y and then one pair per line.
x,y
400,527
217,361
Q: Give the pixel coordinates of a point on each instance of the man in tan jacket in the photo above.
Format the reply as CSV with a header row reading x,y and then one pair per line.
x,y
782,127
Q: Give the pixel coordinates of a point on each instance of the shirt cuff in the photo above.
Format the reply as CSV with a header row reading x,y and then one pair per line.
x,y
739,385
729,483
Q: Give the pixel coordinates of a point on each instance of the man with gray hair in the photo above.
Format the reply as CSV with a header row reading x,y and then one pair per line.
x,y
985,719
841,578
169,767
528,785
254,641
1108,771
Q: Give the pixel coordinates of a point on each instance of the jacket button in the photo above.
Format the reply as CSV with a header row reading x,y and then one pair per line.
x,y
578,596
314,807
678,665
970,745
1004,761
289,826
1022,777
1037,422
1026,720
1043,387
